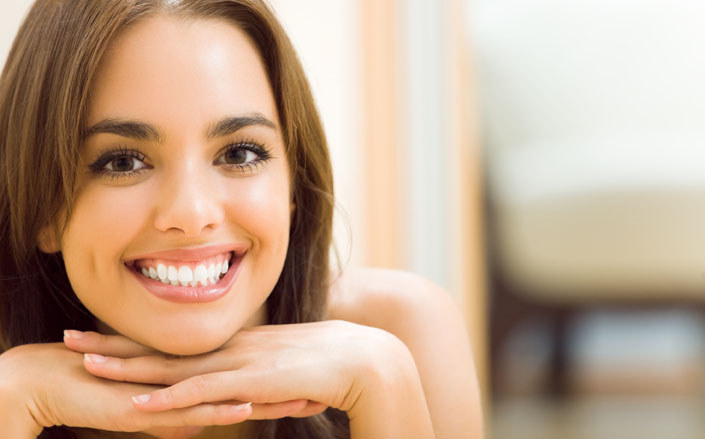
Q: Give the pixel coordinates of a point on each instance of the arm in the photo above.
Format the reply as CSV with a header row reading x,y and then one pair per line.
x,y
364,371
392,402
16,420
18,413
426,319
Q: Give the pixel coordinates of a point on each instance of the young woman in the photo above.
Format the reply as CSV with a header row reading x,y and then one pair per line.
x,y
165,220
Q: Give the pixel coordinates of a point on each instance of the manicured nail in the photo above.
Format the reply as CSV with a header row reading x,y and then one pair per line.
x,y
95,358
243,407
141,399
70,333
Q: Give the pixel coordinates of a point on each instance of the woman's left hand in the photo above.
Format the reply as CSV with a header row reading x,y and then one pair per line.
x,y
284,370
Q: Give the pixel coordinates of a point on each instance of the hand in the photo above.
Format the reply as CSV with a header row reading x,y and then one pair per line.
x,y
49,386
315,365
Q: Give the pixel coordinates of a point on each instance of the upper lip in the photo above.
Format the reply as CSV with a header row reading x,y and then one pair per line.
x,y
192,254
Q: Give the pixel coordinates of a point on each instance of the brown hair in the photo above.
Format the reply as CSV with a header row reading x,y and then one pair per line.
x,y
44,91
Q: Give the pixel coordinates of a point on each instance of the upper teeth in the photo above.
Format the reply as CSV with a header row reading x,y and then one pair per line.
x,y
185,276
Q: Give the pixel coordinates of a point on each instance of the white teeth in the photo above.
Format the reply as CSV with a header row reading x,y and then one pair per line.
x,y
200,274
162,272
172,274
185,274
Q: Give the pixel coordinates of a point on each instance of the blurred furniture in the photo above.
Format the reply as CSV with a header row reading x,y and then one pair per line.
x,y
595,141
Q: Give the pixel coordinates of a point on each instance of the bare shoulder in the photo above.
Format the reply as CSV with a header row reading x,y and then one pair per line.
x,y
388,299
426,318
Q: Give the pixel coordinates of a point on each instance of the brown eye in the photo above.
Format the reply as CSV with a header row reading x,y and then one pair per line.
x,y
119,163
242,157
237,156
122,164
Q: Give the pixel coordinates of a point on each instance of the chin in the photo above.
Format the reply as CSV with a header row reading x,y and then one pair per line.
x,y
193,345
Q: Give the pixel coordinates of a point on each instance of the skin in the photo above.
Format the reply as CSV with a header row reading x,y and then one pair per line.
x,y
394,354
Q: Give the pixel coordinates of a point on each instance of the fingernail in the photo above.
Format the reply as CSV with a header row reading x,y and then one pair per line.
x,y
243,407
141,399
95,358
70,333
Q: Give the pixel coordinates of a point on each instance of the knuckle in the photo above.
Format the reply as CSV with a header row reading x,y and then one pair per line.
x,y
120,369
198,385
167,397
98,337
215,414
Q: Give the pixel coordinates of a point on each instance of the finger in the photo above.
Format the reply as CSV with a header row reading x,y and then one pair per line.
x,y
277,410
108,345
312,408
211,387
201,415
153,369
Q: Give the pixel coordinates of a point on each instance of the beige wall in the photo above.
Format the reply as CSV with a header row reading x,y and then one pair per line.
x,y
11,14
329,48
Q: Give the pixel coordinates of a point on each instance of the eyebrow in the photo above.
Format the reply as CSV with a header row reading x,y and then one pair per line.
x,y
137,130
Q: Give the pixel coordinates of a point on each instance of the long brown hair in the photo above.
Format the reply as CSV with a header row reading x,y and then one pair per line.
x,y
44,91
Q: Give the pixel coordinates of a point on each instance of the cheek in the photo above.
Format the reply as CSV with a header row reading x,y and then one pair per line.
x,y
262,210
103,222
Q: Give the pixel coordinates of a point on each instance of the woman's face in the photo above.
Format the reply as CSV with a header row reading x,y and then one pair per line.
x,y
183,169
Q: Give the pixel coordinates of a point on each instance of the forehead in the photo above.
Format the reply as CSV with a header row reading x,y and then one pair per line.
x,y
180,73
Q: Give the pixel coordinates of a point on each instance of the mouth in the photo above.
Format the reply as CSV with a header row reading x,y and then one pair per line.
x,y
205,272
201,279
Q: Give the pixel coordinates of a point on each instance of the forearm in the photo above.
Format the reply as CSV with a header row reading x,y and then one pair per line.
x,y
392,403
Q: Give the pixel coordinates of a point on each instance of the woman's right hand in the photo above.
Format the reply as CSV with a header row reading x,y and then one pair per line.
x,y
43,385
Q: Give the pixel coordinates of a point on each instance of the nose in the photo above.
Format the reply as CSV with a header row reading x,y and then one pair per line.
x,y
188,202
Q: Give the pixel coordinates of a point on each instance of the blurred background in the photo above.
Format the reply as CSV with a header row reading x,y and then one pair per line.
x,y
543,161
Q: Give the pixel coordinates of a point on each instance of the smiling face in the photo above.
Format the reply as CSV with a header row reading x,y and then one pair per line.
x,y
183,174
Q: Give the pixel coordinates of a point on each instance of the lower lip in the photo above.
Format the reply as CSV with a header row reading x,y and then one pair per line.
x,y
179,294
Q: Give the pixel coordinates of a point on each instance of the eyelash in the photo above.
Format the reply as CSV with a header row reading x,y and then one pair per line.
x,y
263,155
98,167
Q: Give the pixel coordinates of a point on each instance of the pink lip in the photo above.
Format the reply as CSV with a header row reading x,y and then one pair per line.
x,y
192,254
180,294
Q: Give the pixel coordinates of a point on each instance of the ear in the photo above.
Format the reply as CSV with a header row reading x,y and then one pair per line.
x,y
292,208
48,239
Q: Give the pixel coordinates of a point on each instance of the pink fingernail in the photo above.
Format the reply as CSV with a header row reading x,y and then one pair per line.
x,y
141,399
243,407
70,333
95,358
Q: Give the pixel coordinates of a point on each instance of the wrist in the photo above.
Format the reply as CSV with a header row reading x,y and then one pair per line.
x,y
389,401
17,408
